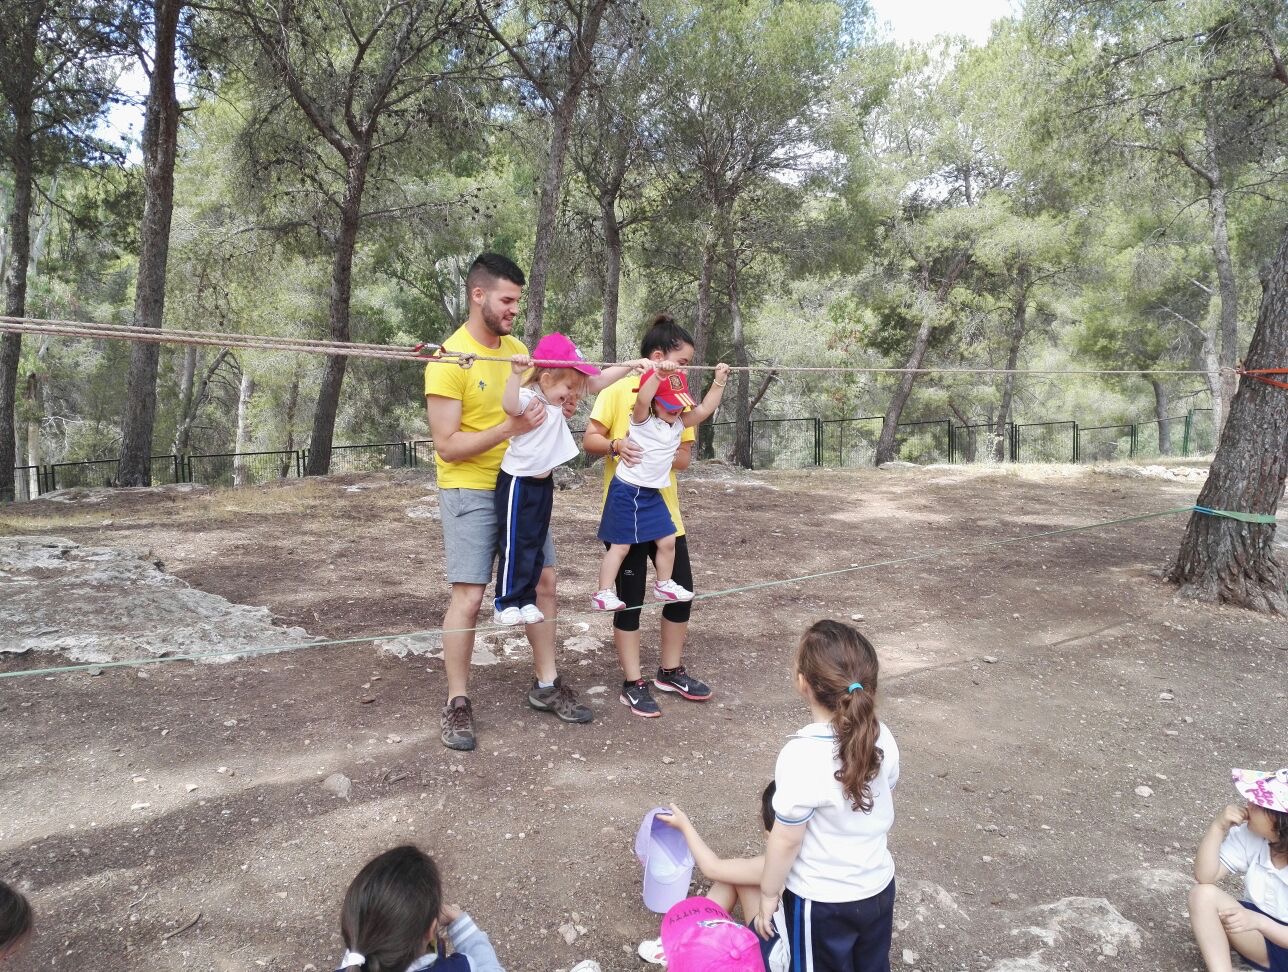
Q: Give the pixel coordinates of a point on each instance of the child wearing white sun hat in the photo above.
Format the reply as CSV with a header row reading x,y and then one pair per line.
x,y
1252,841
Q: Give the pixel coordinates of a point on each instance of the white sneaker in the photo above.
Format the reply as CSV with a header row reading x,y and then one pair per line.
x,y
509,616
531,614
650,951
669,590
607,600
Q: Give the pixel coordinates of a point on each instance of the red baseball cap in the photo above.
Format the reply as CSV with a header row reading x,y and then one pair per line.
x,y
672,391
557,350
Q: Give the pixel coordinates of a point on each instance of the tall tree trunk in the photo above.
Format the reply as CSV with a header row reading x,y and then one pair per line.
x,y
15,279
547,219
1226,281
160,142
742,387
890,424
1212,364
612,273
328,402
241,470
187,381
1161,407
1224,560
702,332
1019,324
580,60
183,434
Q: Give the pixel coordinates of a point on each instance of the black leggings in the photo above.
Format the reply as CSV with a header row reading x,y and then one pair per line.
x,y
631,584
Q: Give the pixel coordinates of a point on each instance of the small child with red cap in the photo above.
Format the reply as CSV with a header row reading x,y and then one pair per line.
x,y
1252,841
557,375
634,510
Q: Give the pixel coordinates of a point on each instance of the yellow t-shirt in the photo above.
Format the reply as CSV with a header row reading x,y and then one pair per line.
x,y
479,389
613,410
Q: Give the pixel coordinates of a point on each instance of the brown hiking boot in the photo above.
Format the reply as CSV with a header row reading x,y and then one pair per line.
x,y
560,700
458,724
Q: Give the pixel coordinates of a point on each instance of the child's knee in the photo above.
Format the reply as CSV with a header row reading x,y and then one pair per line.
x,y
667,543
1205,897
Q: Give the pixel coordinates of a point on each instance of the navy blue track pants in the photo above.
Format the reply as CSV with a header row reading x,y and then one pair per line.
x,y
846,936
523,507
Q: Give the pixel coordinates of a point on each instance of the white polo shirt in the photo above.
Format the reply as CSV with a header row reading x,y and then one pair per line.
x,y
660,441
1243,852
550,444
844,855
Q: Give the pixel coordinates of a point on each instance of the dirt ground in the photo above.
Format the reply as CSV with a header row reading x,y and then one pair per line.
x,y
173,816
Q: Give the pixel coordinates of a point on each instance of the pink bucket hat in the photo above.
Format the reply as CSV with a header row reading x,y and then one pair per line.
x,y
1268,790
699,936
557,350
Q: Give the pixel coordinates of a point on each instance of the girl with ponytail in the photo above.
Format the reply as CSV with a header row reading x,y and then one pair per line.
x,y
394,920
826,858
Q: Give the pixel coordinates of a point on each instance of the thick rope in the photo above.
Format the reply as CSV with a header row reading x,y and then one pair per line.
x,y
742,589
436,353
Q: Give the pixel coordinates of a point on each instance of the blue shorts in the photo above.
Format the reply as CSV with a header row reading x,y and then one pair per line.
x,y
1278,954
634,514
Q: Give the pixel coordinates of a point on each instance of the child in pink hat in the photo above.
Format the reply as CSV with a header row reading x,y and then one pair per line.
x,y
699,936
557,375
1253,841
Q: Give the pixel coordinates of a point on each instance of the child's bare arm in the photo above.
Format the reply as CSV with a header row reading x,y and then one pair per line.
x,y
711,402
1207,862
644,400
609,375
782,847
734,870
519,363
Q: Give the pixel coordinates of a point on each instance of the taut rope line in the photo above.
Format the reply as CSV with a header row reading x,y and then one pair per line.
x,y
436,353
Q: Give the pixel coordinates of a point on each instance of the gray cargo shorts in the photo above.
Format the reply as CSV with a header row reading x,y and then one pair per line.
x,y
470,535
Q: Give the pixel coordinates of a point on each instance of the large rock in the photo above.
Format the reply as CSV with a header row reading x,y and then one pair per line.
x,y
99,604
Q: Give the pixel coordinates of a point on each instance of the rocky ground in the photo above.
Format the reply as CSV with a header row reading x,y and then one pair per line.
x,y
1067,725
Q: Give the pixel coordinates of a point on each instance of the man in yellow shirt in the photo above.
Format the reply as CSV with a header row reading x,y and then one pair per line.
x,y
470,430
606,436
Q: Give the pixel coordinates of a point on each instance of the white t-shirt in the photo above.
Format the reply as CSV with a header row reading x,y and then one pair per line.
x,y
550,444
660,441
844,855
1243,852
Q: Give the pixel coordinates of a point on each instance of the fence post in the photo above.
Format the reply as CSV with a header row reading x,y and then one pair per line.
x,y
1015,442
406,451
948,426
818,441
1133,442
1185,438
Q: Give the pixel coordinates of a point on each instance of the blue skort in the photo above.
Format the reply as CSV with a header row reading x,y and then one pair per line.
x,y
634,514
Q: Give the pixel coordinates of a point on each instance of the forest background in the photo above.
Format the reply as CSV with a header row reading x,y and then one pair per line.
x,y
1097,185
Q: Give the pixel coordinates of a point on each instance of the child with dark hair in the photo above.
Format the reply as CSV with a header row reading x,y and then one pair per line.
x,y
15,921
394,920
1253,841
734,880
826,859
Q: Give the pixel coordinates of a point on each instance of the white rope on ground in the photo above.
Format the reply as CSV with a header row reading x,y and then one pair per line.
x,y
417,353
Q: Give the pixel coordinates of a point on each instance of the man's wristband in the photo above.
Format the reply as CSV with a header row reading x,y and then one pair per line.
x,y
612,448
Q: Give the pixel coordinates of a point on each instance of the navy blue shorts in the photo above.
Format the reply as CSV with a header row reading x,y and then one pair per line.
x,y
634,514
844,936
1278,954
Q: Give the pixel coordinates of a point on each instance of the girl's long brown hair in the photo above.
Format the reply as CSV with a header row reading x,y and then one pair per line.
x,y
832,657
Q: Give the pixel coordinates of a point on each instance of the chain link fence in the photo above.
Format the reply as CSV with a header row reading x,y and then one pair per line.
x,y
791,442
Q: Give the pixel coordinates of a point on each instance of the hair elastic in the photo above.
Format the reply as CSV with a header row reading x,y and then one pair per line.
x,y
854,687
350,959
